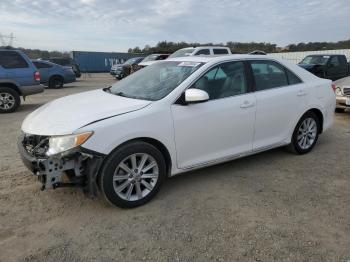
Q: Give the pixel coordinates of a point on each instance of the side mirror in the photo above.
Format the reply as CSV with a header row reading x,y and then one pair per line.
x,y
194,95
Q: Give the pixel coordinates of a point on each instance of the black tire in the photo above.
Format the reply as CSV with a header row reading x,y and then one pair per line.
x,y
107,185
56,82
294,145
340,110
12,104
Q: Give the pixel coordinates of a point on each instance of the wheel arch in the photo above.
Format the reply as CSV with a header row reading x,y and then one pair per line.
x,y
56,75
157,144
11,85
320,116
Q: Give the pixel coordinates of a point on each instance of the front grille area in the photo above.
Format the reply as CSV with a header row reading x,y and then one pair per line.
x,y
36,146
346,91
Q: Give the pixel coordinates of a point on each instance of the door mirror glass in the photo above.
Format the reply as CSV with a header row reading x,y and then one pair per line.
x,y
194,95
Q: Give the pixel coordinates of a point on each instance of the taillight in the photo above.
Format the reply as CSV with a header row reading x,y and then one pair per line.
x,y
334,87
37,76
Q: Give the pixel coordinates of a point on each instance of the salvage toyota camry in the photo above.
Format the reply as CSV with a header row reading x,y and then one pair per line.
x,y
171,117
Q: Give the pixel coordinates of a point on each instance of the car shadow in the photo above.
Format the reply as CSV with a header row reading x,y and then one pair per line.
x,y
238,168
28,107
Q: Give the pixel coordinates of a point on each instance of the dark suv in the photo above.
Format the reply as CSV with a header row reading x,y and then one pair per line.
x,y
67,62
18,77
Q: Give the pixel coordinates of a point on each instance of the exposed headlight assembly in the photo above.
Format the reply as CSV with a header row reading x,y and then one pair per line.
x,y
59,144
338,91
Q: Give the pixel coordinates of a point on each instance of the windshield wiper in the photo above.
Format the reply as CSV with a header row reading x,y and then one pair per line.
x,y
121,94
107,89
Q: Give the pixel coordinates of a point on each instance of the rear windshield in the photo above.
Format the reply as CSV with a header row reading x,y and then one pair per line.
x,y
150,58
315,60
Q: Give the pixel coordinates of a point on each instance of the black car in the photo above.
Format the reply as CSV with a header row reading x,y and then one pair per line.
x,y
123,70
67,62
331,67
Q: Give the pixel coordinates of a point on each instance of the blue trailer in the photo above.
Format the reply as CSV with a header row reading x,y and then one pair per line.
x,y
94,62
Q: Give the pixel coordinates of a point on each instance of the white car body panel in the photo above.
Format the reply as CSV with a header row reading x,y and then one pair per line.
x,y
195,135
64,115
194,50
197,144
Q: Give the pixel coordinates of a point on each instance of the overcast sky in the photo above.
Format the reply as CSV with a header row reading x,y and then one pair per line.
x,y
116,25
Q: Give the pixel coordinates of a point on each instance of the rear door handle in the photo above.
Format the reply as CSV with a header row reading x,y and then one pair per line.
x,y
247,104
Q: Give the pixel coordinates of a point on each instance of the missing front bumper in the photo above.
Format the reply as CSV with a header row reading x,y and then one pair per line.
x,y
81,164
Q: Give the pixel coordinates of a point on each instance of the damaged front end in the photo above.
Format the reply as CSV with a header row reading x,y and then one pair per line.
x,y
76,167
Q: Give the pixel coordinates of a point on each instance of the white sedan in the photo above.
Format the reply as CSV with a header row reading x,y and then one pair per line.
x,y
172,117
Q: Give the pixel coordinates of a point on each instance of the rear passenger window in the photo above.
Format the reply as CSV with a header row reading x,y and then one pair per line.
x,y
334,61
268,74
292,78
203,52
11,59
41,65
220,51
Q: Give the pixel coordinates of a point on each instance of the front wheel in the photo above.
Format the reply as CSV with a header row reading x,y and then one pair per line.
x,y
132,175
305,134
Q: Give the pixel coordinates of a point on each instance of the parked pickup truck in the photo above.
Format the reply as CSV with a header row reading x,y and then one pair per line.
x,y
18,77
331,67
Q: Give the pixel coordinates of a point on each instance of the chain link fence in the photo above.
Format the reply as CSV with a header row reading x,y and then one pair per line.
x,y
296,57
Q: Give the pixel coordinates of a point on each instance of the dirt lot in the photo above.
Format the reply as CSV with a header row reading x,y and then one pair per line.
x,y
273,206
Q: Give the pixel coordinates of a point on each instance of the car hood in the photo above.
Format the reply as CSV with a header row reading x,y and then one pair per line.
x,y
65,115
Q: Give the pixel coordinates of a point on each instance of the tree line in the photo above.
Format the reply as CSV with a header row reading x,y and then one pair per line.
x,y
37,53
238,47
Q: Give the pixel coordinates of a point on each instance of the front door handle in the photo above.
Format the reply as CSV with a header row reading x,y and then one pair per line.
x,y
302,93
247,104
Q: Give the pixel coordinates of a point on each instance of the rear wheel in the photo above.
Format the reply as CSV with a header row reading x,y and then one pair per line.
x,y
305,134
9,100
132,175
56,82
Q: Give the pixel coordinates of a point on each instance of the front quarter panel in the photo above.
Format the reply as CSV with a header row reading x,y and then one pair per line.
x,y
150,122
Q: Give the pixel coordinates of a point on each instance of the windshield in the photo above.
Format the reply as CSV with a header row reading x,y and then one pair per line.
x,y
181,52
150,58
131,61
155,81
315,60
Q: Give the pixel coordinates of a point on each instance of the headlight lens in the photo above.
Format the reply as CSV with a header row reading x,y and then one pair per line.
x,y
59,144
338,91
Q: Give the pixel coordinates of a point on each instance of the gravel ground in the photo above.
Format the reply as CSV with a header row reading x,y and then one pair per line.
x,y
274,206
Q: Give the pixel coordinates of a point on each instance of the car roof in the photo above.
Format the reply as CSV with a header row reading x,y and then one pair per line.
x,y
324,54
202,47
157,54
43,61
206,59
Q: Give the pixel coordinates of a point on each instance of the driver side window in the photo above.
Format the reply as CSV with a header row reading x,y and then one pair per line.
x,y
225,80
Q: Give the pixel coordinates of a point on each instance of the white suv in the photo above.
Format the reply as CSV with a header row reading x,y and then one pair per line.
x,y
172,117
201,50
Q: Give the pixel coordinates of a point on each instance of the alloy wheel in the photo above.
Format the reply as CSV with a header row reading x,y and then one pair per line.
x,y
307,133
135,176
7,101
